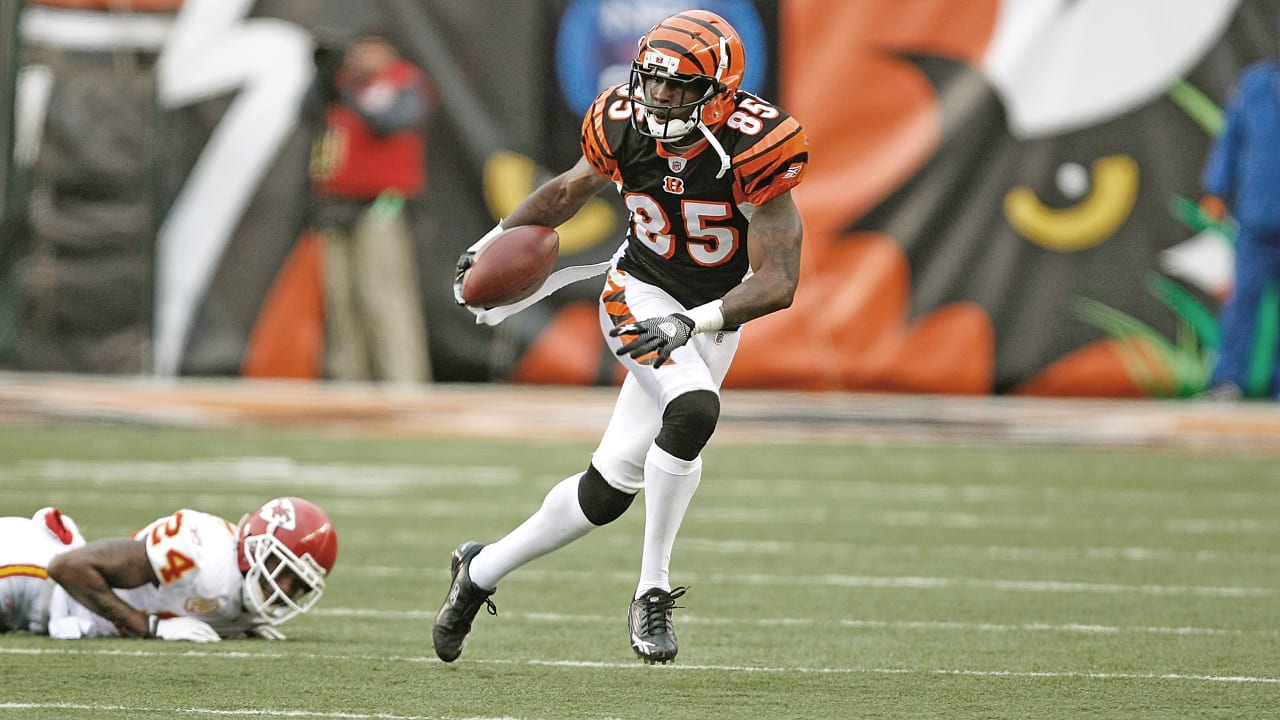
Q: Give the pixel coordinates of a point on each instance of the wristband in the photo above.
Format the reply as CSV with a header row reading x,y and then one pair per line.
x,y
153,621
488,237
706,318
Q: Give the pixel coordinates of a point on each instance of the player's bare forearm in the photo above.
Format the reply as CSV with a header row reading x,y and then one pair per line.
x,y
776,235
90,572
558,199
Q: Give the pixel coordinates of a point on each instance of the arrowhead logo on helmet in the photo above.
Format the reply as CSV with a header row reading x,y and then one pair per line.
x,y
287,549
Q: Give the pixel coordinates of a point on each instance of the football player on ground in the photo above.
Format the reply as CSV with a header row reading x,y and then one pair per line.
x,y
26,547
706,170
187,576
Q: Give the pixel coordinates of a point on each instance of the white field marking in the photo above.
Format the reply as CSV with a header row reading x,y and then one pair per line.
x,y
880,518
268,471
801,669
690,619
992,552
904,581
257,470
230,713
1222,526
387,481
239,497
988,493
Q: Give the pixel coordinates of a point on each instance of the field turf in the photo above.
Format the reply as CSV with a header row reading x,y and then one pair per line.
x,y
825,582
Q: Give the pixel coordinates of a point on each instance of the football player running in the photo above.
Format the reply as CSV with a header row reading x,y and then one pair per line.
x,y
706,171
189,576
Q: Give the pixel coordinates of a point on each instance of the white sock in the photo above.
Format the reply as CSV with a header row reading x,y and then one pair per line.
x,y
557,523
669,484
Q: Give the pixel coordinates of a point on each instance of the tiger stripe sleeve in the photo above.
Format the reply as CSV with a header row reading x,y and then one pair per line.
x,y
774,164
595,144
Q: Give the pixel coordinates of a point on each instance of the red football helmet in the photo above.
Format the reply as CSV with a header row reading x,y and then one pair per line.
x,y
702,55
286,535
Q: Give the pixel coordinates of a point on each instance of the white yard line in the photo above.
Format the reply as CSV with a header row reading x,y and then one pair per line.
x,y
240,657
114,710
856,623
915,582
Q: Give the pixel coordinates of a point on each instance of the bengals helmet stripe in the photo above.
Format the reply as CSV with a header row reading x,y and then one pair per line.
x,y
702,54
680,30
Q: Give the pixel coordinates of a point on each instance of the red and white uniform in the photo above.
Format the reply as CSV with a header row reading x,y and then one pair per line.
x,y
194,558
26,547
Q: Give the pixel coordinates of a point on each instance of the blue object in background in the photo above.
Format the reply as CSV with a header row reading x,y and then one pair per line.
x,y
598,40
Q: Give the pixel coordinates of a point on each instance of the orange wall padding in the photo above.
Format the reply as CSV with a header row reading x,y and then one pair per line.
x,y
288,339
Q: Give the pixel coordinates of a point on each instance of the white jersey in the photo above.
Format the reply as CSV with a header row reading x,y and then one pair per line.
x,y
194,556
26,547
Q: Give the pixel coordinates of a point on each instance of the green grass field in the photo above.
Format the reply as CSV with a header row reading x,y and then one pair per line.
x,y
826,582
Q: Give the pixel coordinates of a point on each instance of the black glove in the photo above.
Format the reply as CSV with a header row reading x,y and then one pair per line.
x,y
660,334
464,264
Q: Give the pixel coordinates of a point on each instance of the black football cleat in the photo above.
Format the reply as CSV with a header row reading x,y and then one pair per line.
x,y
653,637
453,622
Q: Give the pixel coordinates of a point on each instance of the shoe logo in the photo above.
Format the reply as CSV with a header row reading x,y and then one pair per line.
x,y
642,645
453,593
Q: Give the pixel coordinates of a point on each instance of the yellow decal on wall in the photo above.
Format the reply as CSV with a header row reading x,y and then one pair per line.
x,y
1094,219
509,177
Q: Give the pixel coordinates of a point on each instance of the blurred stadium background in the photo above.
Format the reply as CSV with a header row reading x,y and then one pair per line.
x,y
1001,201
958,479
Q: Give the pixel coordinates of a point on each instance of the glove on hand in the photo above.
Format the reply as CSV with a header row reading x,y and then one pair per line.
x,y
467,257
181,628
660,334
464,264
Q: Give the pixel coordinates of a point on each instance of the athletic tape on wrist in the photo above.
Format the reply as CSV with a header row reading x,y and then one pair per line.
x,y
488,237
706,318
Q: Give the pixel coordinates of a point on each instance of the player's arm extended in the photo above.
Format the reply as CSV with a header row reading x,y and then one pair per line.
x,y
559,198
89,573
776,234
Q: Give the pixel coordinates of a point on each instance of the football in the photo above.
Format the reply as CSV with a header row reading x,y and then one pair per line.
x,y
511,267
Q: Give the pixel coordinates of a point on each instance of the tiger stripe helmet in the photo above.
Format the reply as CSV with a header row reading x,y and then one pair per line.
x,y
701,52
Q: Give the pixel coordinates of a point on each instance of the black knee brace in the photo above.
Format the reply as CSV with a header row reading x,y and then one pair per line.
x,y
601,502
688,422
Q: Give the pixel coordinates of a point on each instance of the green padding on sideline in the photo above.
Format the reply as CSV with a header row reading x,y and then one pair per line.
x,y
1262,361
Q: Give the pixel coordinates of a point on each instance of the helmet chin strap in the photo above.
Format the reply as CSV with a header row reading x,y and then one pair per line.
x,y
681,133
724,156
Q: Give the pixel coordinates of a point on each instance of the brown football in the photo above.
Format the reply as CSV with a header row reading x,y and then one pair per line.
x,y
511,267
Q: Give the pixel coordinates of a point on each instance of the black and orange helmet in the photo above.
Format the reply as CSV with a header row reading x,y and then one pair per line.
x,y
700,52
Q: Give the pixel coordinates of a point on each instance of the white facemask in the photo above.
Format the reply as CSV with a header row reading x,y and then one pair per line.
x,y
671,130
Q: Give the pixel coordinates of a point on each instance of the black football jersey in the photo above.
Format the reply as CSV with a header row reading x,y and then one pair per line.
x,y
688,228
